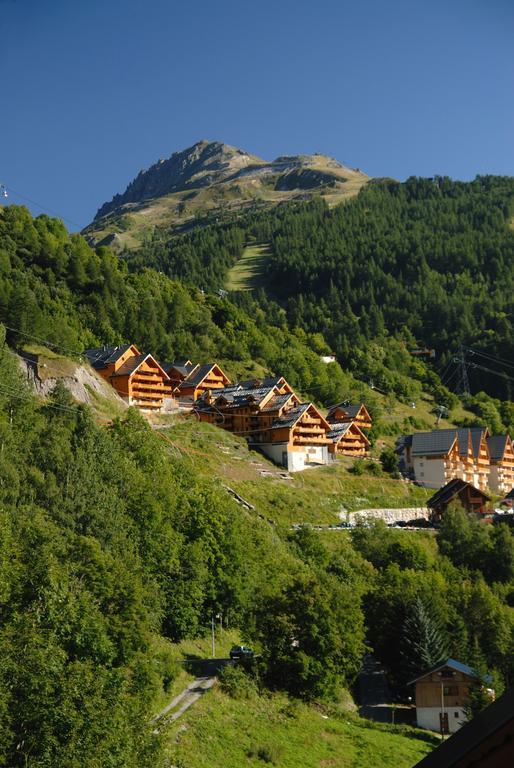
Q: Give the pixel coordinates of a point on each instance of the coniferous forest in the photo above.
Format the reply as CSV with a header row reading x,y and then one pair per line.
x,y
109,541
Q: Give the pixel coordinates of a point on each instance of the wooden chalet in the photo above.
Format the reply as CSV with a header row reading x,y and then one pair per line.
x,y
501,473
179,370
347,439
442,696
487,741
202,378
137,378
271,417
345,412
472,499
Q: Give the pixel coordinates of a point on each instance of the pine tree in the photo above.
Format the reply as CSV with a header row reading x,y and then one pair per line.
x,y
424,643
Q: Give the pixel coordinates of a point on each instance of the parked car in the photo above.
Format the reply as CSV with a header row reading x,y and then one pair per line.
x,y
240,652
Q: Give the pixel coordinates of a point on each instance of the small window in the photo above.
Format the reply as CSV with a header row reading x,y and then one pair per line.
x,y
451,690
456,714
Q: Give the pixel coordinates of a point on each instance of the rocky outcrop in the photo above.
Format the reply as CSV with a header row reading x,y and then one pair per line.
x,y
81,381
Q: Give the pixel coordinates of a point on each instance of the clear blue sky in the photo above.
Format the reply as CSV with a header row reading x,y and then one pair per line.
x,y
94,90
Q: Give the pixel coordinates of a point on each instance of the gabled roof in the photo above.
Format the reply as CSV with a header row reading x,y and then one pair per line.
x,y
101,357
436,442
196,376
352,411
183,367
270,381
448,492
277,402
132,364
338,431
497,445
290,418
477,433
457,666
510,494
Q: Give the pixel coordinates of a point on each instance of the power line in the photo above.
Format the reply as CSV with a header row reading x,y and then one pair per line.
x,y
44,341
489,357
43,207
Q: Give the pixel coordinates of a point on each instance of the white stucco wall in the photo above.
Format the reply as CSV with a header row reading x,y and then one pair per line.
x,y
297,460
428,718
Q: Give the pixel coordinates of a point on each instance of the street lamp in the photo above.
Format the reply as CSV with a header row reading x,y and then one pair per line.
x,y
213,631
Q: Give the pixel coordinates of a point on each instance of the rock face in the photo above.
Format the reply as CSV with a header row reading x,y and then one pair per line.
x,y
81,381
213,163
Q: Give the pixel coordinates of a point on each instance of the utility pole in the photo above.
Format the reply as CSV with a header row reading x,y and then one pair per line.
x,y
213,638
464,380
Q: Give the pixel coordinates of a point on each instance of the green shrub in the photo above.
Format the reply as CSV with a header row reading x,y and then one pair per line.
x,y
237,683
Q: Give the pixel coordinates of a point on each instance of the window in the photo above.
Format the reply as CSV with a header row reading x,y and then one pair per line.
x,y
451,690
456,714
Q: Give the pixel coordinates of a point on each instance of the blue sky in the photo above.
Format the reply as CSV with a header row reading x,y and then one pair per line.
x,y
94,90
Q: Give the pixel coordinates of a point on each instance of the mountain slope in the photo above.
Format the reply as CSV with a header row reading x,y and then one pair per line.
x,y
213,180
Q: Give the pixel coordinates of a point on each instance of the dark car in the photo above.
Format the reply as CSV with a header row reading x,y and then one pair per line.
x,y
240,652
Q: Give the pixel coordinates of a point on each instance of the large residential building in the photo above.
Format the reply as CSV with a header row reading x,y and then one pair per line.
x,y
347,439
271,417
434,458
501,473
137,378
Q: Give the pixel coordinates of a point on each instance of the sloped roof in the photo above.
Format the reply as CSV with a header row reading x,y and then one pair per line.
x,y
184,367
100,357
290,418
133,363
197,375
457,666
497,445
277,402
438,441
448,492
338,431
476,436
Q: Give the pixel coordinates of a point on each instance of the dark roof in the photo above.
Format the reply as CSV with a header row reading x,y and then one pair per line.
x,y
438,441
497,445
486,740
270,381
180,366
338,430
101,357
290,418
350,410
476,436
510,494
448,492
277,402
458,666
197,376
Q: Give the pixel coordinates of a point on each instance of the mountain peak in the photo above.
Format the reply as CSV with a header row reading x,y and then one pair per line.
x,y
211,178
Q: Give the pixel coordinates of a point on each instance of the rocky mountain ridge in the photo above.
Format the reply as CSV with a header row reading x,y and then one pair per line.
x,y
213,178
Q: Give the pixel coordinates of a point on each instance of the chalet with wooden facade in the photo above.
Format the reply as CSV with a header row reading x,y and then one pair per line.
x,y
345,412
199,379
137,378
179,370
434,458
348,439
471,498
501,472
442,696
270,416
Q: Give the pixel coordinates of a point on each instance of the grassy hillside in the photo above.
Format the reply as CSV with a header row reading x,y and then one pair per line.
x,y
272,729
249,272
